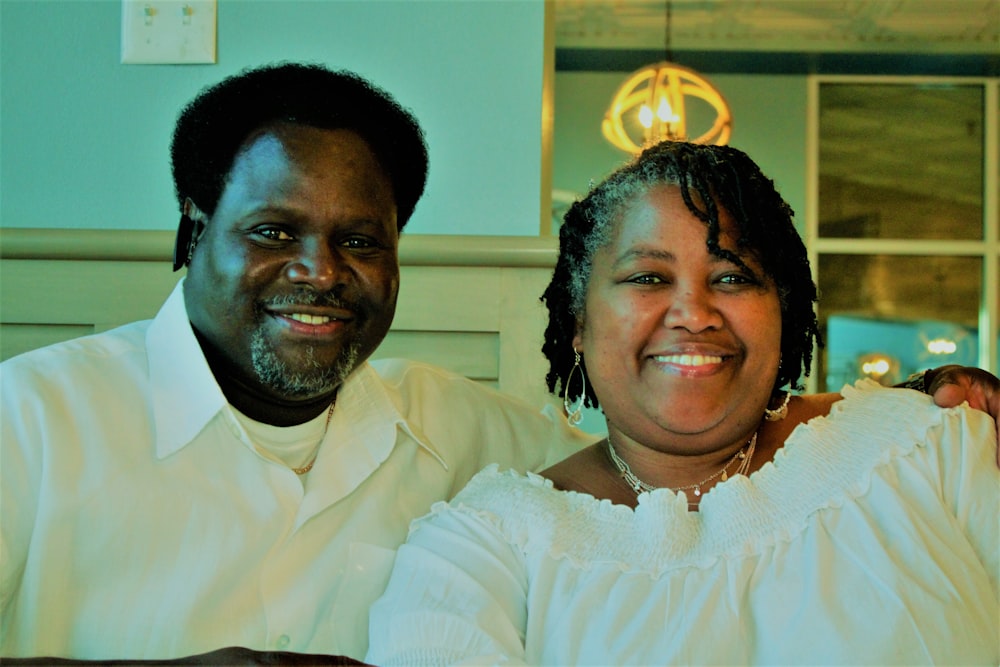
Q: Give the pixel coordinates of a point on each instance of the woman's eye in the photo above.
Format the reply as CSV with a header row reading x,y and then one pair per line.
x,y
737,279
646,279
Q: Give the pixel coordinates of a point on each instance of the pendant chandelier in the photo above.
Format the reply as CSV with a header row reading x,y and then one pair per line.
x,y
654,104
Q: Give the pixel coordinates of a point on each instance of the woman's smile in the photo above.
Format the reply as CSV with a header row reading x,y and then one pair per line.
x,y
690,365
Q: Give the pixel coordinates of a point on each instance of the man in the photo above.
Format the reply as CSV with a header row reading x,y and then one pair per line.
x,y
234,472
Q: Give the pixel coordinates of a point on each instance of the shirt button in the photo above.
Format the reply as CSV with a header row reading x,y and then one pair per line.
x,y
283,641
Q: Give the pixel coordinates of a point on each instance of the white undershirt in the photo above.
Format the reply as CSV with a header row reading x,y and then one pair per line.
x,y
292,446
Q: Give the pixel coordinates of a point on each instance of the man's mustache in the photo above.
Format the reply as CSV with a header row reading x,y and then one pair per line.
x,y
313,298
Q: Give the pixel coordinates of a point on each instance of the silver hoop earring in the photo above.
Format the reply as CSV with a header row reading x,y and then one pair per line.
x,y
779,413
574,411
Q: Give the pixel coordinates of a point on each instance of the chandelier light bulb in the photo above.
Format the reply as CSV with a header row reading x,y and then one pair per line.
x,y
942,346
876,367
665,113
646,116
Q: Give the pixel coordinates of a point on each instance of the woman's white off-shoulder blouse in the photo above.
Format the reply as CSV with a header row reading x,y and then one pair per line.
x,y
872,538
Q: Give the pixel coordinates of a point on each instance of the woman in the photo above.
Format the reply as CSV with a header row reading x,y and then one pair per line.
x,y
723,521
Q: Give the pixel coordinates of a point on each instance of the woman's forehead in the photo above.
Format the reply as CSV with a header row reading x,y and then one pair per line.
x,y
655,222
662,207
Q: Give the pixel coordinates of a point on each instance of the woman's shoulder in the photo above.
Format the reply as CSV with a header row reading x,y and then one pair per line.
x,y
502,497
529,512
864,404
513,497
494,484
868,405
809,406
867,426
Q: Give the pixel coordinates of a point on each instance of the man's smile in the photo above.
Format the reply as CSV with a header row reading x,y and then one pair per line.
x,y
308,319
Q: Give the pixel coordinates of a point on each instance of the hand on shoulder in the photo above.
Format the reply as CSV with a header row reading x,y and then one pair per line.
x,y
953,385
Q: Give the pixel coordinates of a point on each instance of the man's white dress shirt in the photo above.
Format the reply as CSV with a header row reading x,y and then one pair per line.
x,y
140,521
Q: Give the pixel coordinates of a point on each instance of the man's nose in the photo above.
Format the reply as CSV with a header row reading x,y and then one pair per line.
x,y
319,265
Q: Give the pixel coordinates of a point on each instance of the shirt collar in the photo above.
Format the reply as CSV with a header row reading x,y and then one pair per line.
x,y
186,396
360,438
368,406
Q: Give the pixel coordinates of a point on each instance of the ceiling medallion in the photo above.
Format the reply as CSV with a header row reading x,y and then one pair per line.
x,y
662,102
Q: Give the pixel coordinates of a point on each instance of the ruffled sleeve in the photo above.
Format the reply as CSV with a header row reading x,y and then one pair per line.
x,y
457,595
955,451
961,454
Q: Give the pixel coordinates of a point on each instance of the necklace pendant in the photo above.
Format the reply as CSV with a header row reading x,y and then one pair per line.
x,y
697,491
724,476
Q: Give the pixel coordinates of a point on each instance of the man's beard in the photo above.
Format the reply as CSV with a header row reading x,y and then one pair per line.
x,y
314,379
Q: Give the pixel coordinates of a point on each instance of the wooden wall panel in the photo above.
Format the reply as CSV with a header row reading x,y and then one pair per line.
x,y
469,304
64,291
473,354
18,338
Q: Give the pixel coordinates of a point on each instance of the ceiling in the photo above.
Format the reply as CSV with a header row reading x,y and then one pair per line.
x,y
811,26
901,145
877,36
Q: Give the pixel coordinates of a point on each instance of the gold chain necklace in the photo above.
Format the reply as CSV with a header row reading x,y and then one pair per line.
x,y
309,466
744,455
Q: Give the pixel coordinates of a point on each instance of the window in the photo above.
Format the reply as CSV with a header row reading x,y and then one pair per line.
x,y
902,225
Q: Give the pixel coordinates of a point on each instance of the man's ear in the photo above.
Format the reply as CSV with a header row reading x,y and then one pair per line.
x,y
189,230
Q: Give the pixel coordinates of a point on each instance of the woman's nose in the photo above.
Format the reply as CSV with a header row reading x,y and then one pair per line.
x,y
693,309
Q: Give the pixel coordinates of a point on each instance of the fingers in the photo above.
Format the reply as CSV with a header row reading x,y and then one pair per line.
x,y
952,385
950,395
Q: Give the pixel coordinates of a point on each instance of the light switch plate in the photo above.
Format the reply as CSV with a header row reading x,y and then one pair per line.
x,y
168,31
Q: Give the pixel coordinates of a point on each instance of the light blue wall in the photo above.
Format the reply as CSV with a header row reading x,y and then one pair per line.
x,y
84,139
769,123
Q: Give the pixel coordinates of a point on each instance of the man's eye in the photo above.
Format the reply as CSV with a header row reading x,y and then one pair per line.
x,y
360,243
273,234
